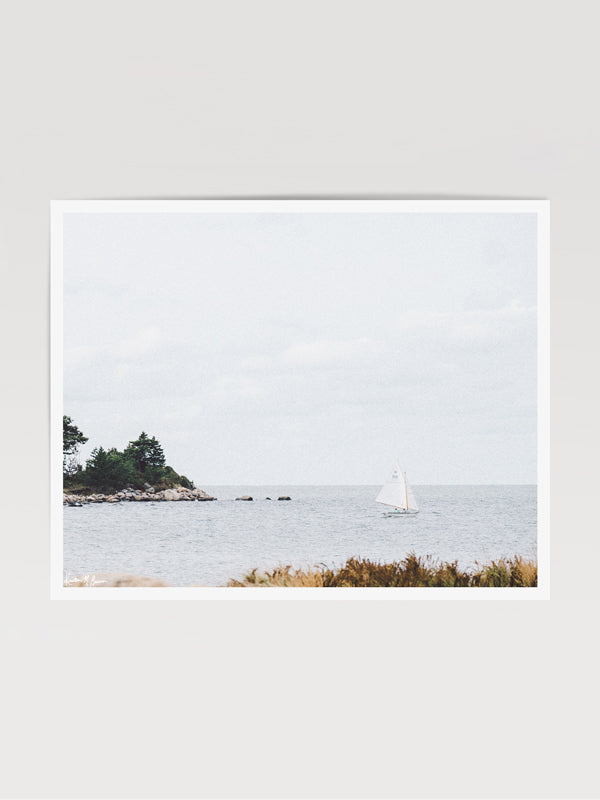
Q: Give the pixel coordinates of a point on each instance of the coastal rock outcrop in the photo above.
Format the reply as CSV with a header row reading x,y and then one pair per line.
x,y
136,495
244,497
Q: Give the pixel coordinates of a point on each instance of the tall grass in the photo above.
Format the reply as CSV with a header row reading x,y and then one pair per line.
x,y
412,570
281,576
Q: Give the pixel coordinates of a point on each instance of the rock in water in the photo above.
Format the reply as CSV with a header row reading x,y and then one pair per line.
x,y
200,494
284,497
244,497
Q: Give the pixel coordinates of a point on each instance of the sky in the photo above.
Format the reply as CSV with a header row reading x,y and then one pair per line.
x,y
282,349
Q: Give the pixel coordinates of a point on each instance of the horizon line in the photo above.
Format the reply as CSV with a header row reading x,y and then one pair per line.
x,y
367,484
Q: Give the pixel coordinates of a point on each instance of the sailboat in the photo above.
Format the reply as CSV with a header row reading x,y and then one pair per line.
x,y
397,493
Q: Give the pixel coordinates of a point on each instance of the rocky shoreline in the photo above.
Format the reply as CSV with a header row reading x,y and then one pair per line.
x,y
137,495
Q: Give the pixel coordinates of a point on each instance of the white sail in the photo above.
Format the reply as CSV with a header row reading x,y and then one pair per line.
x,y
412,503
396,492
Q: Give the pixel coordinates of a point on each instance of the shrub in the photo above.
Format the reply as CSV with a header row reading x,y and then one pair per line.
x,y
412,570
281,576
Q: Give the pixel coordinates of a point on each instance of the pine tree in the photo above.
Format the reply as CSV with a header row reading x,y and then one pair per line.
x,y
147,453
72,438
109,469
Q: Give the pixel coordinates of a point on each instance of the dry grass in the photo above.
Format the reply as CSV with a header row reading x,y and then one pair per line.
x,y
411,571
281,576
516,571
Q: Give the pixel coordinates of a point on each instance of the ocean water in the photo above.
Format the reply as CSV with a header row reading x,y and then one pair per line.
x,y
208,543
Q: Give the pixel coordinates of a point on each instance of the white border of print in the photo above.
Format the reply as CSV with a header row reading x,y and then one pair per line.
x,y
538,207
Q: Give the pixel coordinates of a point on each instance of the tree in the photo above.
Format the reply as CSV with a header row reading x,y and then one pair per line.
x,y
109,469
147,454
72,438
142,462
71,466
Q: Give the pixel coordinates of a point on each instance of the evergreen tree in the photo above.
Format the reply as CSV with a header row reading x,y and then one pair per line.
x,y
148,455
142,462
72,438
109,470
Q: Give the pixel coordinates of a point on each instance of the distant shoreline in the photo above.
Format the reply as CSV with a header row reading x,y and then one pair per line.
x,y
179,493
150,495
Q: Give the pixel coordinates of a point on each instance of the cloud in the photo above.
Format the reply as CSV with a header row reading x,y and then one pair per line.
x,y
326,353
141,343
229,390
79,356
354,336
257,363
474,328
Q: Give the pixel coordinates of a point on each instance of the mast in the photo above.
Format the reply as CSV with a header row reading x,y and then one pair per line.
x,y
406,491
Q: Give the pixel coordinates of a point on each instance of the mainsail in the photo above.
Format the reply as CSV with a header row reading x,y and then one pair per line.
x,y
397,493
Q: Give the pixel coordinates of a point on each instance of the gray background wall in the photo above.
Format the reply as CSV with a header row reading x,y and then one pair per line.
x,y
359,699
